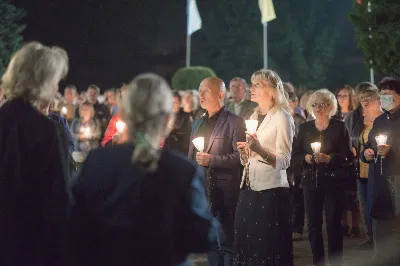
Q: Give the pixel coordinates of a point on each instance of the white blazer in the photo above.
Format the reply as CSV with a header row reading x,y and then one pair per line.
x,y
276,135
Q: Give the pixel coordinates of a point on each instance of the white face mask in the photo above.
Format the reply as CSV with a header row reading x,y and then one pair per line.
x,y
387,102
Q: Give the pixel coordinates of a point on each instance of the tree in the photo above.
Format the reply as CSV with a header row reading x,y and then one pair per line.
x,y
189,78
305,41
10,32
378,34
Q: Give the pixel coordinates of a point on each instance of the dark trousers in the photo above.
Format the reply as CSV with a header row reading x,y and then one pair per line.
x,y
332,199
221,253
296,193
362,186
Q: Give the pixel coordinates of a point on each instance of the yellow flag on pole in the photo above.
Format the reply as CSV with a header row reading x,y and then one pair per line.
x,y
267,10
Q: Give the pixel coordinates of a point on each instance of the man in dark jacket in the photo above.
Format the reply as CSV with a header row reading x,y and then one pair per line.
x,y
221,130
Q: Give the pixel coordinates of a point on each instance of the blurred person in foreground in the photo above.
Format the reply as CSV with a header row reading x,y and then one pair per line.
x,y
33,161
2,98
384,175
135,204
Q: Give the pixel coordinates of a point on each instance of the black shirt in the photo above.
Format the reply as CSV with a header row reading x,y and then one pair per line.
x,y
206,128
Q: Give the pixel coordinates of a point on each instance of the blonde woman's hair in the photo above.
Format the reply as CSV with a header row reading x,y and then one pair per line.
x,y
323,95
275,82
146,109
34,72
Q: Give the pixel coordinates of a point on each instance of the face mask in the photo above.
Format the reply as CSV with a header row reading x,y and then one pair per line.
x,y
387,102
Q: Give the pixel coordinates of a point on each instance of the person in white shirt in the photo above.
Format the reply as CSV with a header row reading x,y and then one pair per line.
x,y
263,234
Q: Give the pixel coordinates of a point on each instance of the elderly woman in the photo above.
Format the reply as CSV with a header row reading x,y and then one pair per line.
x,y
324,174
33,161
263,233
133,205
369,99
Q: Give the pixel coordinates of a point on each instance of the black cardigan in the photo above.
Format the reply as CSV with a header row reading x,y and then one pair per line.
x,y
335,141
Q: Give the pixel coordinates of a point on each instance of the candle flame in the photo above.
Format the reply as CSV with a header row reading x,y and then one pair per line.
x,y
199,143
251,126
120,125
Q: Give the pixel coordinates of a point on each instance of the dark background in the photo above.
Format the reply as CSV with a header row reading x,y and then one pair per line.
x,y
311,43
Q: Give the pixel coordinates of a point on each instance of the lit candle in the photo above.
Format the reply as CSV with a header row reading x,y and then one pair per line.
x,y
87,132
199,143
381,139
120,125
316,147
251,126
64,111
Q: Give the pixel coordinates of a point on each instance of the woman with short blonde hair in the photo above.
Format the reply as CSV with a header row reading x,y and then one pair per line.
x,y
323,150
264,198
33,160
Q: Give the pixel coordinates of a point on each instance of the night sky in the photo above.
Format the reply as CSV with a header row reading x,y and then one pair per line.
x,y
110,41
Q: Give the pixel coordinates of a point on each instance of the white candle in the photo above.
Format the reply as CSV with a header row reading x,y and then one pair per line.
x,y
316,147
199,143
87,132
251,126
64,111
381,139
120,125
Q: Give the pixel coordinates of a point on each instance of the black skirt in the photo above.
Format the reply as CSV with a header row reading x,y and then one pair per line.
x,y
263,234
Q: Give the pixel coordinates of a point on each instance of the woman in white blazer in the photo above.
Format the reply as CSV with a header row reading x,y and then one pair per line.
x,y
263,234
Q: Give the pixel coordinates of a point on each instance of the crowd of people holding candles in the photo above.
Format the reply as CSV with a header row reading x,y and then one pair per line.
x,y
145,176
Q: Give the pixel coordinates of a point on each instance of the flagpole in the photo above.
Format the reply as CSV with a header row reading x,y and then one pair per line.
x,y
265,44
371,69
188,39
188,50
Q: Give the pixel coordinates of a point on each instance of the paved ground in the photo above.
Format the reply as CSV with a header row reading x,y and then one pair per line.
x,y
303,257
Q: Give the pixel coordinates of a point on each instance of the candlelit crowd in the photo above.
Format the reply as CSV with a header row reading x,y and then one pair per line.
x,y
142,175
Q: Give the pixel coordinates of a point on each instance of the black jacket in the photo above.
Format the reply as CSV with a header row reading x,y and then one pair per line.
x,y
380,185
124,217
33,197
335,141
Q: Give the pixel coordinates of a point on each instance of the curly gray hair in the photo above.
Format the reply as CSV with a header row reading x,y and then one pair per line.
x,y
146,109
34,72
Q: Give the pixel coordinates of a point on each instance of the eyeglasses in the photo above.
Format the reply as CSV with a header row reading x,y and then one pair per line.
x,y
342,96
322,105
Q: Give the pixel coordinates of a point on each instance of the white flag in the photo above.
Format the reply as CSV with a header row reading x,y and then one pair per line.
x,y
193,17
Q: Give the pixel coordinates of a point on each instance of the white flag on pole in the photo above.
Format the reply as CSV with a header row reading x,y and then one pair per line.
x,y
193,17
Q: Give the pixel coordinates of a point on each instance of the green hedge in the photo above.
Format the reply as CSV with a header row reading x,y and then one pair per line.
x,y
189,78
